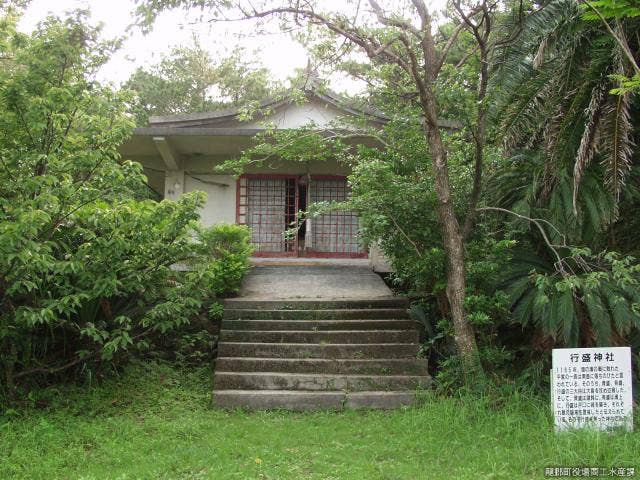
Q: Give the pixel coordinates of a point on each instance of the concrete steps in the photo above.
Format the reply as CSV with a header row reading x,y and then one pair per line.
x,y
317,381
313,350
389,302
320,337
318,325
298,401
319,314
305,355
387,366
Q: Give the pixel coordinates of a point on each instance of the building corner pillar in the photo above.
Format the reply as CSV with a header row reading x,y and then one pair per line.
x,y
173,184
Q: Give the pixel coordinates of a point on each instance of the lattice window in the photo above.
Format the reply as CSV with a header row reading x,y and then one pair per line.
x,y
265,205
337,231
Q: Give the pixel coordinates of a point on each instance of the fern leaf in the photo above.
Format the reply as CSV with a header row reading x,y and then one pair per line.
x,y
618,307
541,314
565,319
523,310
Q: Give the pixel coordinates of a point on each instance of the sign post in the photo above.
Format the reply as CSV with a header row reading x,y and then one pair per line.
x,y
591,387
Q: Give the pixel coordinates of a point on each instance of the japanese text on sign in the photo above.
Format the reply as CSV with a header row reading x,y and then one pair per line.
x,y
591,387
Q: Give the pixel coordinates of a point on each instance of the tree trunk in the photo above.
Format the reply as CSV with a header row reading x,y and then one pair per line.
x,y
464,336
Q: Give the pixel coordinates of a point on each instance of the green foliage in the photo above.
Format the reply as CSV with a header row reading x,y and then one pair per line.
x,y
560,162
598,303
188,80
226,249
554,82
304,144
194,348
397,208
570,171
519,185
100,434
85,259
627,85
487,303
609,9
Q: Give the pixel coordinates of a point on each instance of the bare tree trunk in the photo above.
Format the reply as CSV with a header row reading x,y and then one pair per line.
x,y
464,335
452,237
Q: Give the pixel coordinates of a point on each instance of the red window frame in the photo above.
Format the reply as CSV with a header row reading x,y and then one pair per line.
x,y
291,247
311,252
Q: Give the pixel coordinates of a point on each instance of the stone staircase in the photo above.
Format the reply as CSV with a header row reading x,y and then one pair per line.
x,y
308,355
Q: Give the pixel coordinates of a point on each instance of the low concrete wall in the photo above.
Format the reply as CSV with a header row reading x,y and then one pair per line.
x,y
221,196
379,263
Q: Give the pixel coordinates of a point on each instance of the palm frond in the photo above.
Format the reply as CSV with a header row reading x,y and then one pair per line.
x,y
564,313
538,59
599,316
618,143
589,142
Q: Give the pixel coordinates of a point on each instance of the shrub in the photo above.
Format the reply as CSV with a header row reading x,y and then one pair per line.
x,y
229,249
85,260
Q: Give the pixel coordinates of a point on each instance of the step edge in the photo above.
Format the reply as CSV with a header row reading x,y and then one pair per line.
x,y
320,392
319,331
315,344
318,359
316,310
320,320
308,320
320,375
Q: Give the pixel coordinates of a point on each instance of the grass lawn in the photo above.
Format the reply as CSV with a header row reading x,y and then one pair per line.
x,y
155,422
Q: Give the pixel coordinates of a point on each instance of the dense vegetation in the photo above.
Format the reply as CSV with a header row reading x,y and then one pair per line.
x,y
541,172
85,255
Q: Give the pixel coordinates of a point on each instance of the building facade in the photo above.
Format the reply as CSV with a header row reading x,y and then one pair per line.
x,y
179,154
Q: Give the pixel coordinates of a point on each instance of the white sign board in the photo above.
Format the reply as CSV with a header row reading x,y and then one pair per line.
x,y
591,387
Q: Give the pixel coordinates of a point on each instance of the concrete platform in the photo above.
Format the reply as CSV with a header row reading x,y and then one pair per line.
x,y
338,280
311,262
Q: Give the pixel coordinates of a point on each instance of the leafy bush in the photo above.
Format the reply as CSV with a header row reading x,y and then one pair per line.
x,y
217,262
229,246
85,260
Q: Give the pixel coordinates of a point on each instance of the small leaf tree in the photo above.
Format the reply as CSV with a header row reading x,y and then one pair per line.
x,y
84,257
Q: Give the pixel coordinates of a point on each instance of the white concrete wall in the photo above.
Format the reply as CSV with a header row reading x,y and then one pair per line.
x,y
221,200
377,260
294,116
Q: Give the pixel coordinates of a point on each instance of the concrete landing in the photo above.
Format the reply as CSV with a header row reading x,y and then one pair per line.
x,y
336,281
311,261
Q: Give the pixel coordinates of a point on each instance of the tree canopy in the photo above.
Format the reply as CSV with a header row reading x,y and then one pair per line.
x,y
188,80
85,255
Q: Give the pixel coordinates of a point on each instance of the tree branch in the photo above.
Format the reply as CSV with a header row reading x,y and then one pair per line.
x,y
537,222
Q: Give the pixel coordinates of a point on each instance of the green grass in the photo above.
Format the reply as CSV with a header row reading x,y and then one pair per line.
x,y
155,422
